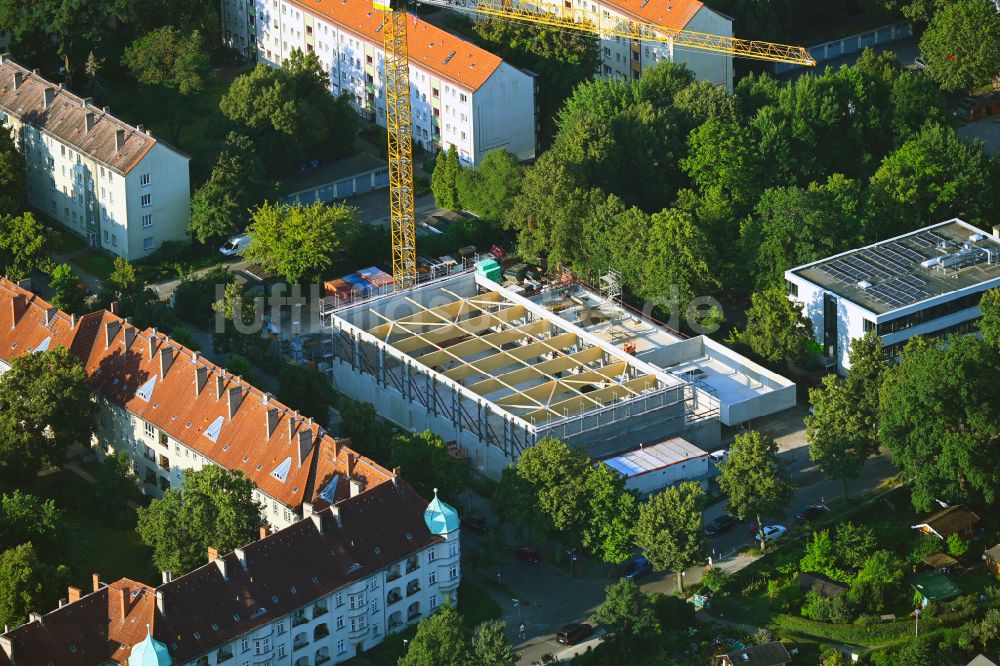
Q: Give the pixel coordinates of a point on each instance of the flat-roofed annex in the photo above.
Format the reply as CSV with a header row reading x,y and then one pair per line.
x,y
531,365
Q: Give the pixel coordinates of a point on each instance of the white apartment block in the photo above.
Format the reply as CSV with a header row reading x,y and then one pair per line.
x,y
115,185
319,592
461,95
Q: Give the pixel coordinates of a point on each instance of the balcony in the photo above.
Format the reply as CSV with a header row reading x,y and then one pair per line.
x,y
319,609
412,615
300,641
412,587
393,573
299,618
412,565
393,597
395,621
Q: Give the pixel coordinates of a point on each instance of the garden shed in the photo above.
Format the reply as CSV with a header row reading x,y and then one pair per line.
x,y
822,585
954,520
992,557
934,586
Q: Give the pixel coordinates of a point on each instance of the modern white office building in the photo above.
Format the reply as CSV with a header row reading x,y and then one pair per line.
x,y
626,59
461,95
318,592
115,185
927,282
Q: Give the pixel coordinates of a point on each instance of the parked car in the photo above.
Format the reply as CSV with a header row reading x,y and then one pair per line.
x,y
527,555
720,456
475,523
637,567
723,523
919,63
573,633
970,109
809,512
772,532
235,245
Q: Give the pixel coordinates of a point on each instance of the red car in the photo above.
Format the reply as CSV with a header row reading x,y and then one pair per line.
x,y
527,555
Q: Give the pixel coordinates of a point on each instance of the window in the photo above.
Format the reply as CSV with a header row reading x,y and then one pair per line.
x,y
148,428
453,572
453,550
340,647
432,578
373,583
793,288
340,622
144,180
148,243
434,601
869,325
607,52
147,200
339,599
114,240
107,236
281,650
245,643
281,627
262,646
431,555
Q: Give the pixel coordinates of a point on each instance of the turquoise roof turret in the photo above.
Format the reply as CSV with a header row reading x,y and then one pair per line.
x,y
441,518
150,652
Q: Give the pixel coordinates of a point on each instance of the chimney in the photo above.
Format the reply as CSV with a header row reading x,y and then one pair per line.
x,y
129,337
235,397
119,139
50,316
272,421
72,322
397,474
242,557
213,554
265,531
110,331
18,77
141,128
307,510
220,385
96,578
88,121
304,444
18,306
166,360
317,519
114,308
34,617
357,485
160,605
7,645
152,345
106,109
48,97
335,512
195,357
84,101
72,594
166,576
291,427
200,379
352,459
120,601
996,231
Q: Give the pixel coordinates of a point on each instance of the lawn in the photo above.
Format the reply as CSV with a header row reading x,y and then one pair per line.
x,y
95,547
96,263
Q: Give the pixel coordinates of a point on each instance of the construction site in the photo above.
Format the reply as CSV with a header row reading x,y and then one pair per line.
x,y
492,371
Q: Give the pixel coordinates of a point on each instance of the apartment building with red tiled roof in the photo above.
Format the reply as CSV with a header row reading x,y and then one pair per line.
x,y
171,410
319,591
461,95
111,183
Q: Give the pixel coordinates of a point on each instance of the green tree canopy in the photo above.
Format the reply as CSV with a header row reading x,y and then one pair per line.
x,y
290,114
607,532
13,177
961,45
44,408
166,57
298,242
669,529
867,370
214,507
679,256
68,295
753,481
439,641
776,328
306,390
444,180
841,436
820,557
490,646
556,473
24,580
25,517
937,417
627,614
932,177
23,244
426,464
370,435
916,101
989,324
488,189
514,503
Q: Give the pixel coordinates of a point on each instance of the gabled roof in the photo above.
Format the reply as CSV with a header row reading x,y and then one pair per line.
x,y
766,654
256,434
949,521
266,579
65,117
430,47
820,584
670,14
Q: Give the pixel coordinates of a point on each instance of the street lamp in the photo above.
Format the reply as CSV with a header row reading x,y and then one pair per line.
x,y
916,621
406,645
572,559
498,580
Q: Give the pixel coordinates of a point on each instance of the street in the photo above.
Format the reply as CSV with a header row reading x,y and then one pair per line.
x,y
547,597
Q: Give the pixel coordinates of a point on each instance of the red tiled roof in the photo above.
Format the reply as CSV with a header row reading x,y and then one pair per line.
x,y
671,14
118,361
263,581
429,46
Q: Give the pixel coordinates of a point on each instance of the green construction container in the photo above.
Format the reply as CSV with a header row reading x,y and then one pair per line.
x,y
490,269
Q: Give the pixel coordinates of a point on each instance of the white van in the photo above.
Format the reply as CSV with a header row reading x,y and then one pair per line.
x,y
235,245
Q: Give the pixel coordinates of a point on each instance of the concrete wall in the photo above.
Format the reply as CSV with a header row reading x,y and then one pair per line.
x,y
712,67
693,469
169,190
504,109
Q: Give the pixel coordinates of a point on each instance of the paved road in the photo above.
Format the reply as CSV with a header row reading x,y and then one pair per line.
x,y
553,598
987,129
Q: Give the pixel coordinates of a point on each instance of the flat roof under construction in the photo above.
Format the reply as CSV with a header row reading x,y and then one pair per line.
x,y
512,352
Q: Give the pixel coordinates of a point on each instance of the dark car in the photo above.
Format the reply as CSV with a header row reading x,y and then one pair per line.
x,y
527,555
573,633
637,568
723,523
475,523
809,513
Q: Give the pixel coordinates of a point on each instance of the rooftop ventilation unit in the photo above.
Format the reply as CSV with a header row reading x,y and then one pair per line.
x,y
864,284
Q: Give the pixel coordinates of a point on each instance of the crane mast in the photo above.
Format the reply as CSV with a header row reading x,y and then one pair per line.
x,y
397,85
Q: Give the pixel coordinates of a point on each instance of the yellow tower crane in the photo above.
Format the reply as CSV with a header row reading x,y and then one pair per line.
x,y
397,85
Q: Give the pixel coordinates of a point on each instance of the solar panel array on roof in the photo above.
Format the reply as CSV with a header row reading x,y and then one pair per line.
x,y
657,456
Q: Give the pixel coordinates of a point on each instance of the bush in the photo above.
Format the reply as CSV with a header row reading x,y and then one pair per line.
x,y
714,579
926,545
957,546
